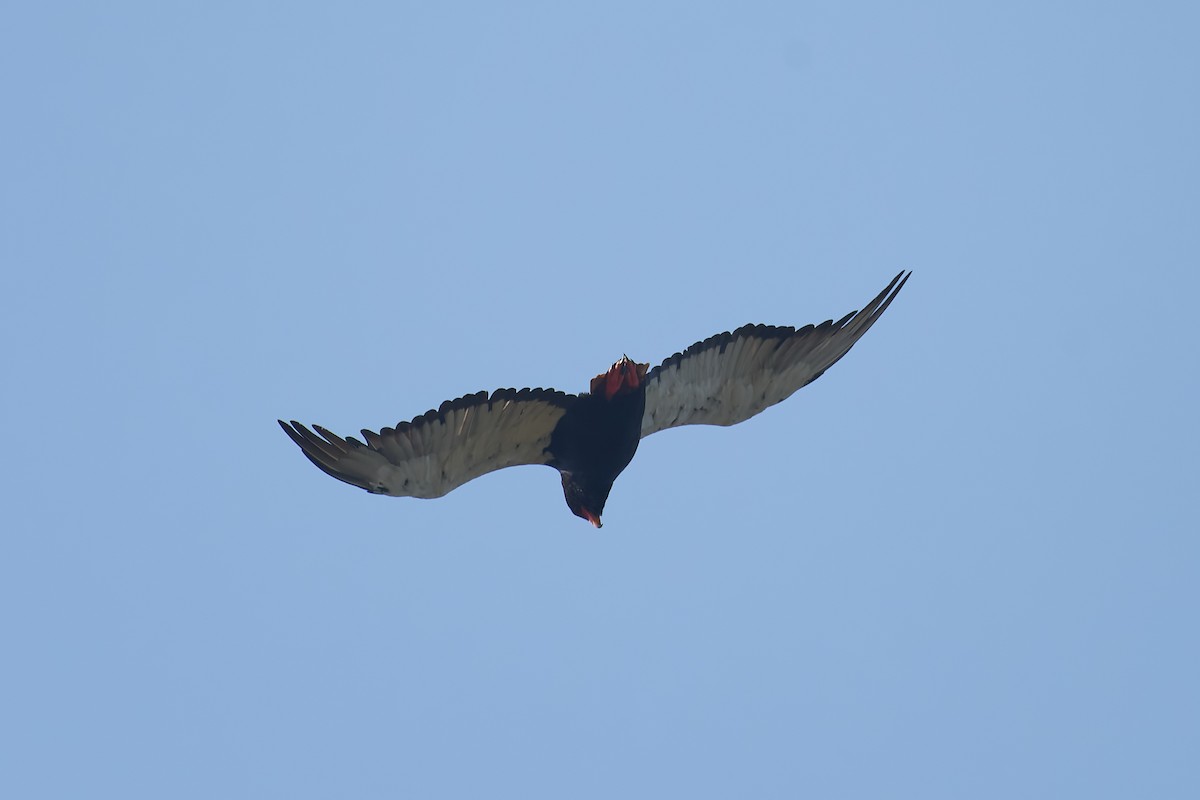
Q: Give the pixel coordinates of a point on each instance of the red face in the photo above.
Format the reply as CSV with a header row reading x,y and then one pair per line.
x,y
623,376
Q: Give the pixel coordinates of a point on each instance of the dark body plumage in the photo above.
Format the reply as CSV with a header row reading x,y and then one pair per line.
x,y
590,437
593,443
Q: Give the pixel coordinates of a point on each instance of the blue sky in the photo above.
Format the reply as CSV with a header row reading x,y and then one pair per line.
x,y
961,564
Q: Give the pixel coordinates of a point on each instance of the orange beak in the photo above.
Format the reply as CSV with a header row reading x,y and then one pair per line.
x,y
592,518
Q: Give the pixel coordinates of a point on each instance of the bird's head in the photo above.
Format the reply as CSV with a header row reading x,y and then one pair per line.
x,y
622,377
585,499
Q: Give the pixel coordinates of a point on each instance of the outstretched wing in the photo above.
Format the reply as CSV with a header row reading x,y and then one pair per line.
x,y
730,377
441,449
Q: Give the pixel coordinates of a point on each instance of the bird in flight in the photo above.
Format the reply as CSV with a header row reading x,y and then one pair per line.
x,y
590,437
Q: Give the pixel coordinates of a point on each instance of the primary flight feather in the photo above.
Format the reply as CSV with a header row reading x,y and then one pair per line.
x,y
590,437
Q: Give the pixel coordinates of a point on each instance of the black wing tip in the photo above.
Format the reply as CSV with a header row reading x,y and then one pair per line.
x,y
885,298
872,310
324,453
294,430
893,288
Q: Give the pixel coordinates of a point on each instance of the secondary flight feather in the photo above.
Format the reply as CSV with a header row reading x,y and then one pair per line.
x,y
592,436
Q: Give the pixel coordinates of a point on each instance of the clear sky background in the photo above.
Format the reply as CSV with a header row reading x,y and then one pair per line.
x,y
962,564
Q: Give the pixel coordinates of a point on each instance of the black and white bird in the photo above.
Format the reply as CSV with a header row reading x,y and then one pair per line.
x,y
590,437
